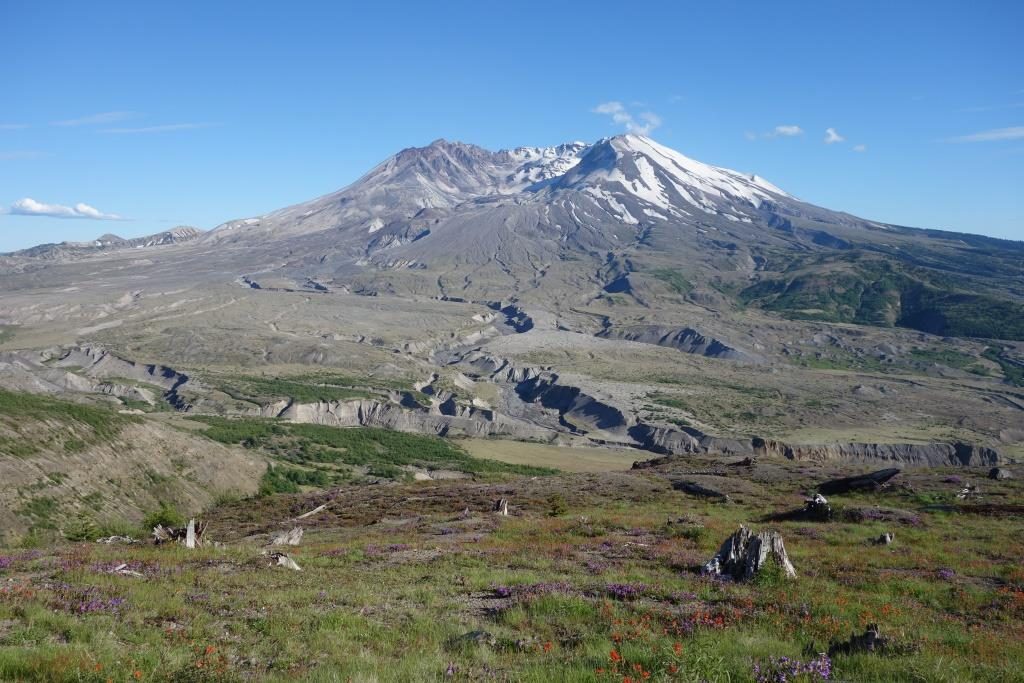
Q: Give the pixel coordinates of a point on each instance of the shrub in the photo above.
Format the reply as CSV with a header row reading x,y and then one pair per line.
x,y
557,505
165,515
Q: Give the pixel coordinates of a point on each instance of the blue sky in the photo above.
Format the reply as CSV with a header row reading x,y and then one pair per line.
x,y
197,112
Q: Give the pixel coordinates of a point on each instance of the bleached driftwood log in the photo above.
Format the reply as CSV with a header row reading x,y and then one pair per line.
x,y
312,512
744,554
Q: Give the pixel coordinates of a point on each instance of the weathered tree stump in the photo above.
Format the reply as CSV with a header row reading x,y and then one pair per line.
x,y
817,508
869,641
191,535
501,507
885,539
864,482
282,560
968,491
290,537
745,553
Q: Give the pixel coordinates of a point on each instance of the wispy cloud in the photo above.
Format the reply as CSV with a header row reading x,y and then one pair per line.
x,y
164,128
13,126
30,207
860,148
783,131
993,135
23,154
993,107
786,131
832,137
641,124
104,118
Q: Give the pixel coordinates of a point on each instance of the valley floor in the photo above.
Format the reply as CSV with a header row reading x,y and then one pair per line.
x,y
593,577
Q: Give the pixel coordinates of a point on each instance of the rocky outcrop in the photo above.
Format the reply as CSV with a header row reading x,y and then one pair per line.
x,y
674,442
671,441
930,455
685,339
460,420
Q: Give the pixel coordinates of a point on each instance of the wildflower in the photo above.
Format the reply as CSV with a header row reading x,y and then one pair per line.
x,y
678,648
137,675
615,656
547,646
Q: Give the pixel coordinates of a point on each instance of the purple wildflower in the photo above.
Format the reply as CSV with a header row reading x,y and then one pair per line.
x,y
783,669
625,591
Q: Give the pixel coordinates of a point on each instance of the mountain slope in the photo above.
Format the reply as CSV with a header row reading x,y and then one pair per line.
x,y
566,225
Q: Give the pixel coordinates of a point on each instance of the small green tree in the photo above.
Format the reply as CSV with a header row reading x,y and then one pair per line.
x,y
166,516
557,505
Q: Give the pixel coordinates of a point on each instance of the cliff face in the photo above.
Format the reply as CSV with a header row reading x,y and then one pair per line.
x,y
672,442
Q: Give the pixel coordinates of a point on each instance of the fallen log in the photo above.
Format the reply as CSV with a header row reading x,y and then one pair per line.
x,y
695,489
312,512
864,482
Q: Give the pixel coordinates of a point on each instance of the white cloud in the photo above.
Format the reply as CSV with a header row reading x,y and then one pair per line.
x,y
620,115
13,126
30,207
97,119
860,148
782,131
994,135
165,128
832,137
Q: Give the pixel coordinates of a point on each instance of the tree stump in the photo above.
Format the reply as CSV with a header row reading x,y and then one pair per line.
x,y
279,559
885,539
818,508
291,537
869,641
745,553
501,507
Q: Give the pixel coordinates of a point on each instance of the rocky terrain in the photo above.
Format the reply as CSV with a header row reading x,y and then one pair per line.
x,y
463,330
614,294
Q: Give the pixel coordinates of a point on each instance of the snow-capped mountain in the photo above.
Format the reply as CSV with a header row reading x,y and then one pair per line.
x,y
451,202
628,179
624,221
